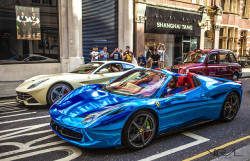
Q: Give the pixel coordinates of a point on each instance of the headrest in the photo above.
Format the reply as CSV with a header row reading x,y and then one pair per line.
x,y
182,80
158,69
189,75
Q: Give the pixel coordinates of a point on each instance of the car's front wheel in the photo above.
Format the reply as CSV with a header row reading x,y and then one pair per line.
x,y
139,130
230,107
56,92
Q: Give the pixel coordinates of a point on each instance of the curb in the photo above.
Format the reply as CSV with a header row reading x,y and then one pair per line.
x,y
7,97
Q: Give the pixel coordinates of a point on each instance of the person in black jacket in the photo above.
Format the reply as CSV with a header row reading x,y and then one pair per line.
x,y
155,59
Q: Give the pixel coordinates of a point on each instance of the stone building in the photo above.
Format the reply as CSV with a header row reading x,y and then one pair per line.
x,y
68,29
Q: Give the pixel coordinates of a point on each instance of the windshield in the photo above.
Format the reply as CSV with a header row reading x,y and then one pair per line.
x,y
195,58
87,68
139,83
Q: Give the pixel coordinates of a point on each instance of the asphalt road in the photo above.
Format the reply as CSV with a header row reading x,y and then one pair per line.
x,y
25,135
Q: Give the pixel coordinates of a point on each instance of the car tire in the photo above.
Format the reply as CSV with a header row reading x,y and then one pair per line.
x,y
235,77
56,92
230,107
139,130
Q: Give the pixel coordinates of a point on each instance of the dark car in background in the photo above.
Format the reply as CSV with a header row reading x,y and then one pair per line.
x,y
216,63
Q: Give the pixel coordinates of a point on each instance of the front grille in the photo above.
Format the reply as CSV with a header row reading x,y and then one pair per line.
x,y
175,70
32,100
66,133
23,96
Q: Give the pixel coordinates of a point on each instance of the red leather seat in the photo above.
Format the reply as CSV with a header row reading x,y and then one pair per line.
x,y
182,81
190,80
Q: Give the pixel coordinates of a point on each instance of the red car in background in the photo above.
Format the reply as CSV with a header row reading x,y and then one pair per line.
x,y
216,63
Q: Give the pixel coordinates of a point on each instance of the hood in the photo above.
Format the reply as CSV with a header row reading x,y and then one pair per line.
x,y
51,78
60,75
87,100
186,65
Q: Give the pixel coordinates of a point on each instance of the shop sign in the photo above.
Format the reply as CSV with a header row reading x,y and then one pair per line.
x,y
172,22
174,26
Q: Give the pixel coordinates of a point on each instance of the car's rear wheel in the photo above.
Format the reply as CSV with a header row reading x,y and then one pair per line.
x,y
235,77
230,107
139,130
56,92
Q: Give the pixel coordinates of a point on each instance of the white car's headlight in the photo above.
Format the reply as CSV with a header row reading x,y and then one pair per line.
x,y
187,70
94,116
37,84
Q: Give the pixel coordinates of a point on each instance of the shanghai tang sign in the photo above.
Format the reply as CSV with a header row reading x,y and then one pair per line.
x,y
175,26
172,22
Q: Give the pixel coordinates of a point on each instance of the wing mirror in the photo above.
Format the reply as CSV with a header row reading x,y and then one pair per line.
x,y
177,97
210,61
103,71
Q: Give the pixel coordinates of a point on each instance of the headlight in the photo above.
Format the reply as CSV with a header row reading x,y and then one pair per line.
x,y
187,70
37,84
94,116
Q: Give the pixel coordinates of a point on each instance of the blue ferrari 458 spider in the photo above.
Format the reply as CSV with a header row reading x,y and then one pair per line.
x,y
141,104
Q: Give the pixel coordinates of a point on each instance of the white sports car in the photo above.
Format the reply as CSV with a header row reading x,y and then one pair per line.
x,y
47,89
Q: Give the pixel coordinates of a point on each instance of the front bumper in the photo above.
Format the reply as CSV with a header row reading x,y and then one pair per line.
x,y
72,130
28,100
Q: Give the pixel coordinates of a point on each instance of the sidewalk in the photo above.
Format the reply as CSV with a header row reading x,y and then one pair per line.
x,y
245,72
7,89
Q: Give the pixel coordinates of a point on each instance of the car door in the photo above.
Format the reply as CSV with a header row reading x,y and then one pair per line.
x,y
234,66
185,112
223,69
103,78
212,65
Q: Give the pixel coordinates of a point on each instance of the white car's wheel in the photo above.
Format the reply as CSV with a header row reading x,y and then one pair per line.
x,y
56,92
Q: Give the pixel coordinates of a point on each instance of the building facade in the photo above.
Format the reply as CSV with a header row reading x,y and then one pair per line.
x,y
64,32
39,37
185,25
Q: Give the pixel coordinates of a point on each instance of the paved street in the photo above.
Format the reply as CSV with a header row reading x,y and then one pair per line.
x,y
25,135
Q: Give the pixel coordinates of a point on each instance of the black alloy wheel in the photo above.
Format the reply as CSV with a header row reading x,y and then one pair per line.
x,y
230,107
139,130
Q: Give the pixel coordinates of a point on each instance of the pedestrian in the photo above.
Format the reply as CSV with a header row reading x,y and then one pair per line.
x,y
155,59
141,60
95,54
116,55
162,52
128,55
104,55
148,57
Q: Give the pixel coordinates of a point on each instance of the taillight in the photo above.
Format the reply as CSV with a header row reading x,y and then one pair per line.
x,y
239,82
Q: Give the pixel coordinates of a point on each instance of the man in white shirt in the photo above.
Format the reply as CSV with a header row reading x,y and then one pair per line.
x,y
162,52
34,24
95,54
21,19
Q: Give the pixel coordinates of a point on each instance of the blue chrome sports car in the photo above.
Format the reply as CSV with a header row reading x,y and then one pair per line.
x,y
136,106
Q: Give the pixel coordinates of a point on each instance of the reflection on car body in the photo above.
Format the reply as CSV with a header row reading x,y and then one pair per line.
x,y
134,107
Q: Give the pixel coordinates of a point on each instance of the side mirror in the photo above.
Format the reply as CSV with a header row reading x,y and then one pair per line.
x,y
210,61
103,71
179,97
176,97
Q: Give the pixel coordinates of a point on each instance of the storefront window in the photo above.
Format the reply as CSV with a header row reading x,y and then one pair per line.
x,y
29,31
